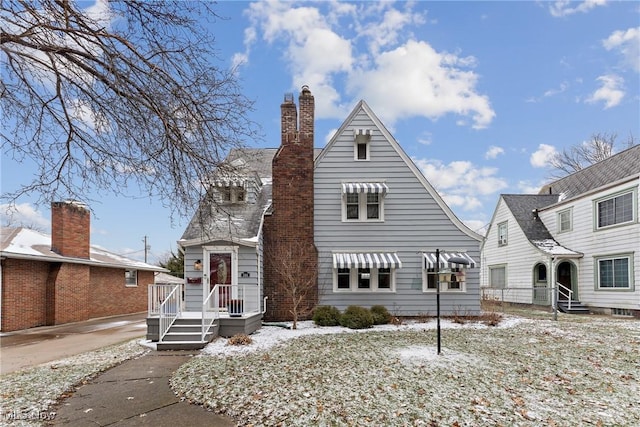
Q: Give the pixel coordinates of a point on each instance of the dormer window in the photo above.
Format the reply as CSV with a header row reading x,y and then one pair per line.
x,y
233,194
361,148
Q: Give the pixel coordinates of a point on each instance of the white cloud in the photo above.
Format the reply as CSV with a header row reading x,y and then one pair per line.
x,y
479,226
461,183
527,187
628,44
370,52
567,7
23,215
493,152
540,158
610,92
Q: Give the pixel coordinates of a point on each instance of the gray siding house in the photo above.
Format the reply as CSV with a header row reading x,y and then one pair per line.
x,y
359,209
378,223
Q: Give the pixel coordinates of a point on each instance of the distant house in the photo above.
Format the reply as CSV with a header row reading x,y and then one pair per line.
x,y
580,235
367,217
51,280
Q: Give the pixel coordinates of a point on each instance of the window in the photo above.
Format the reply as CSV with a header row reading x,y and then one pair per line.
x,y
232,194
364,279
614,272
615,210
363,207
455,280
498,276
541,273
131,277
361,144
564,220
502,233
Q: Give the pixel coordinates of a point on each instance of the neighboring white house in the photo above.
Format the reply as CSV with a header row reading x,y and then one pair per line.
x,y
581,232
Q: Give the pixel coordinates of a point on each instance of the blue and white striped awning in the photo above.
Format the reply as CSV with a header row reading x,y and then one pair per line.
x,y
430,260
364,187
366,260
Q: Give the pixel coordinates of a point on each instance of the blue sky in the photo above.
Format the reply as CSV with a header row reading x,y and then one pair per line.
x,y
479,94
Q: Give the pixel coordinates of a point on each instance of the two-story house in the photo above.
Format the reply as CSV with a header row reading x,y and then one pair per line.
x,y
577,240
365,222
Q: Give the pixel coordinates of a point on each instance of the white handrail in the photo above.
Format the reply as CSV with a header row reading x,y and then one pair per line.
x,y
206,324
169,311
567,293
157,293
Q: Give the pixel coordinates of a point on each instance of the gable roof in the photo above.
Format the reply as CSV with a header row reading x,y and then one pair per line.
x,y
524,208
24,243
615,168
362,105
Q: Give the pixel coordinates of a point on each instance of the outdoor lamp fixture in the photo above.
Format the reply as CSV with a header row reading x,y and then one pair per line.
x,y
442,275
198,265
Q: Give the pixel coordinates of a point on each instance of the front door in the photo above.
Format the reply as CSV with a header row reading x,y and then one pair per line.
x,y
564,277
222,271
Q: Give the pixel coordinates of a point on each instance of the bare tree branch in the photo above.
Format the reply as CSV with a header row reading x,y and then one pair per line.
x,y
579,156
114,94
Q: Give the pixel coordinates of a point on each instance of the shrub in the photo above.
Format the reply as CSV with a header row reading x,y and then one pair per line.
x,y
240,339
355,317
326,315
381,315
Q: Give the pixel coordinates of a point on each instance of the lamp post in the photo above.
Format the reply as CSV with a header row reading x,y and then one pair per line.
x,y
452,260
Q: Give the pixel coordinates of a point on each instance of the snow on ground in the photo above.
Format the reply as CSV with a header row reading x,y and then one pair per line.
x,y
577,371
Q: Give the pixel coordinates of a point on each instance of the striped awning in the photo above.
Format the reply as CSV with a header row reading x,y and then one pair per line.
x,y
366,260
430,260
364,187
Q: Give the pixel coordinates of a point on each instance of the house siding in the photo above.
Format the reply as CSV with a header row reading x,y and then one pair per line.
x,y
583,237
518,255
413,223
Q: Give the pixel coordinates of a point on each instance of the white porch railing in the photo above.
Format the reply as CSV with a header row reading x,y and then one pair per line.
x,y
565,292
170,310
157,294
210,311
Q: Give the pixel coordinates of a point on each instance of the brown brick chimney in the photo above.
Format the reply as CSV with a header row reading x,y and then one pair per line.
x,y
291,222
70,228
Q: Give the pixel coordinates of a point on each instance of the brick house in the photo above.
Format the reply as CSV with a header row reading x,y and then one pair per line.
x,y
51,280
365,223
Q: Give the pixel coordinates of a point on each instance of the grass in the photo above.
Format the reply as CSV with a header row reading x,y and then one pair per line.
x,y
581,370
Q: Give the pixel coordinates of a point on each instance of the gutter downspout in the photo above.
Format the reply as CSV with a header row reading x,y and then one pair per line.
x,y
259,256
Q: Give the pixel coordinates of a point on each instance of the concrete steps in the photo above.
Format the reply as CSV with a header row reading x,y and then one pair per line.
x,y
576,307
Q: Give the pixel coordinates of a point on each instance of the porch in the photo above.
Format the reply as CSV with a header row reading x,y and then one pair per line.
x,y
226,311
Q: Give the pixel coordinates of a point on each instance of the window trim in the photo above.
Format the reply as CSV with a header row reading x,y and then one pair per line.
x,y
568,211
444,286
126,279
504,224
374,273
362,208
612,257
506,275
634,210
362,136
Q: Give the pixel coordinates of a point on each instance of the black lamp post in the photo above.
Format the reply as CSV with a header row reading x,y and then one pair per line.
x,y
453,260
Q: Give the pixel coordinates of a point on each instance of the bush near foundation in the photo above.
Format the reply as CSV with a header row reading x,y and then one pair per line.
x,y
381,315
355,317
326,315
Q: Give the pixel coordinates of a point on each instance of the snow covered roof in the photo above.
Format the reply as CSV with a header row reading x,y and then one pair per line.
x,y
24,243
552,247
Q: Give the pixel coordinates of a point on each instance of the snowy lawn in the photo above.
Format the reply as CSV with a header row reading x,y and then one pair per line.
x,y
577,371
25,395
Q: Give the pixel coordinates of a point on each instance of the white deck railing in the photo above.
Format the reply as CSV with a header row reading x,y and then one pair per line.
x,y
210,311
170,310
158,293
565,292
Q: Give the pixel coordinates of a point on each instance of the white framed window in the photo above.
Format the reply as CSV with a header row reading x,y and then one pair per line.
x,y
363,207
498,276
131,278
455,280
616,209
361,145
233,194
502,233
614,272
364,279
565,220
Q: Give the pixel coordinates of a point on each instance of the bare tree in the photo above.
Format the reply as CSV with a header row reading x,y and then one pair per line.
x,y
295,279
116,93
579,156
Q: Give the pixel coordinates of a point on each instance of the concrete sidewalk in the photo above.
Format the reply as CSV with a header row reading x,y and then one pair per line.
x,y
136,393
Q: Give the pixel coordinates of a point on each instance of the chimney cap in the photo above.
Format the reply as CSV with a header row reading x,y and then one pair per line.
x,y
288,98
305,89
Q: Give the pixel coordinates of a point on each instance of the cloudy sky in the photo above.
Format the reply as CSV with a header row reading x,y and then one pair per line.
x,y
479,94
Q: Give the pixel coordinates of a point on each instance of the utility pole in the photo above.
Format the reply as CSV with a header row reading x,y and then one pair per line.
x,y
146,248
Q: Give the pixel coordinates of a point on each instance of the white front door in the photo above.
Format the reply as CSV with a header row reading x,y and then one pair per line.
x,y
221,268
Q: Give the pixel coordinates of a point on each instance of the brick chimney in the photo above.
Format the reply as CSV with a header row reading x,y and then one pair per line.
x,y
292,200
70,228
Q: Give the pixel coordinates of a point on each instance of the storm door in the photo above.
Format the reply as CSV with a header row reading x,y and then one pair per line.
x,y
222,270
